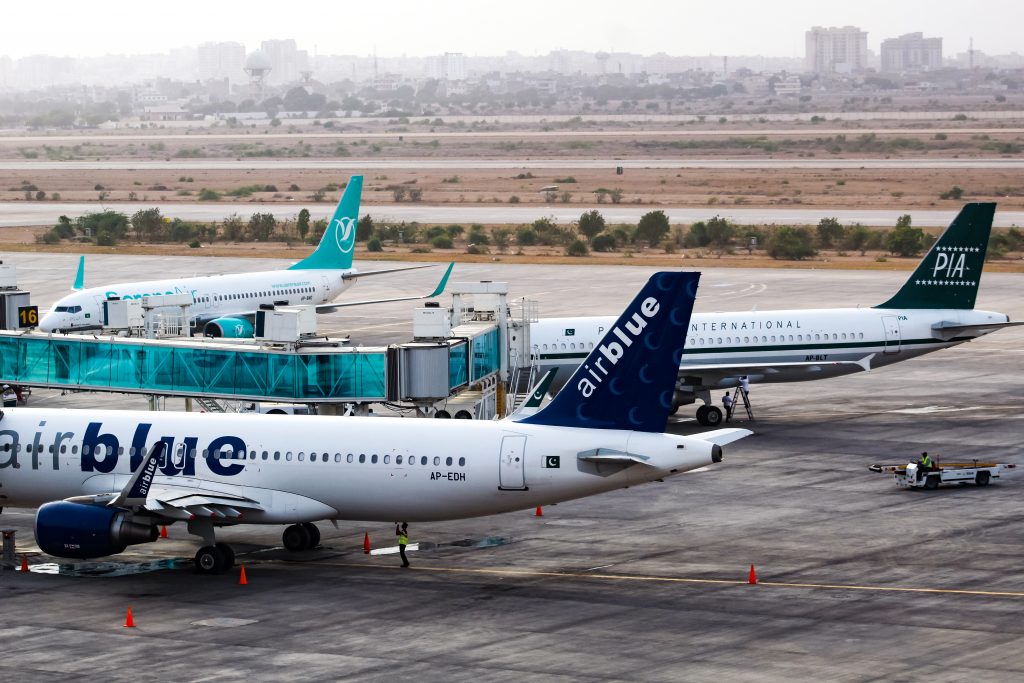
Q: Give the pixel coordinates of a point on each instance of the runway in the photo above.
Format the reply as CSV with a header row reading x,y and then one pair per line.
x,y
18,214
395,164
857,579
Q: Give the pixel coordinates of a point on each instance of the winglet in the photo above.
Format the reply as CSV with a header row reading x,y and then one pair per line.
x,y
80,275
136,491
444,281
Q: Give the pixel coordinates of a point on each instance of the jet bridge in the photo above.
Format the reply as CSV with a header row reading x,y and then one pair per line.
x,y
455,370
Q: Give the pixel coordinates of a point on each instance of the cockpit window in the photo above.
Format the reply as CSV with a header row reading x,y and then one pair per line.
x,y
61,309
74,309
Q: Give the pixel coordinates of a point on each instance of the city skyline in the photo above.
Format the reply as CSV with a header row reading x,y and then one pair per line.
x,y
405,28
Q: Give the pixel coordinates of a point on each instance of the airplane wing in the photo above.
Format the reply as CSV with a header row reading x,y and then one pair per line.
x,y
742,369
330,307
177,502
948,330
367,273
723,437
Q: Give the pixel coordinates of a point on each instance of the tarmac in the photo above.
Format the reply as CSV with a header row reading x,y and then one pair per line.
x,y
857,580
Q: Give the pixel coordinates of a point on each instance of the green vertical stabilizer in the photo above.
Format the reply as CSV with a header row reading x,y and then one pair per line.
x,y
949,274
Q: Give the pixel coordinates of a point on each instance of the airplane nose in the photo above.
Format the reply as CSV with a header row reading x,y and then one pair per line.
x,y
48,323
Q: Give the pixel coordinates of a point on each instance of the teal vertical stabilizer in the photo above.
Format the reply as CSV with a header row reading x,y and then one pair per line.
x,y
949,274
338,243
80,275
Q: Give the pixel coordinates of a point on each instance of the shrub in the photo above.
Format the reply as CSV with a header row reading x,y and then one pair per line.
x,y
526,237
194,244
374,245
208,195
603,242
905,240
441,242
791,243
477,249
653,227
955,192
577,248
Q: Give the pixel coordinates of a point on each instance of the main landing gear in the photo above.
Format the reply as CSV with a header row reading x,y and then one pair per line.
x,y
299,537
217,558
709,416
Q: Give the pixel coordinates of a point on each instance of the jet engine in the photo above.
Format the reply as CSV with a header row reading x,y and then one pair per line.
x,y
229,328
81,531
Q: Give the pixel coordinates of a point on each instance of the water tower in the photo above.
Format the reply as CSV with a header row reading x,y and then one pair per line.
x,y
257,66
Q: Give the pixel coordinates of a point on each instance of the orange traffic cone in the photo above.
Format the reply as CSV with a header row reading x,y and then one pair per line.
x,y
753,576
24,563
366,543
539,512
129,621
163,531
242,581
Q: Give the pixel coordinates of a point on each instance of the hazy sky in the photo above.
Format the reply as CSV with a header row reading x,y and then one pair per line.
x,y
486,27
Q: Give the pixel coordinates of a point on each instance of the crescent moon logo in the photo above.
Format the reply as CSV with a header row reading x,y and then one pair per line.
x,y
632,418
643,375
343,229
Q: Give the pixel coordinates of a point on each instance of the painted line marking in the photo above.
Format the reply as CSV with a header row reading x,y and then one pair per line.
x,y
528,573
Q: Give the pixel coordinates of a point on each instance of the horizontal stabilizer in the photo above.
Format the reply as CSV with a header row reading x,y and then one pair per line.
x,y
613,457
949,330
723,437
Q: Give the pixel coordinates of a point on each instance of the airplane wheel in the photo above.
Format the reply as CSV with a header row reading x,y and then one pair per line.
x,y
296,538
712,416
442,415
314,534
702,415
228,553
210,560
982,478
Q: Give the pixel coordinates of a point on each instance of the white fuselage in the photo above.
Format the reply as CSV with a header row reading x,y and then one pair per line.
x,y
311,468
213,296
828,336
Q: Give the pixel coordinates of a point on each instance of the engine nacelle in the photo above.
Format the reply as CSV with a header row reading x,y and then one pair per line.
x,y
229,328
81,531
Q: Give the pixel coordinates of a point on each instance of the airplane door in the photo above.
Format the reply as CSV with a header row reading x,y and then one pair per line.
x,y
512,468
327,289
891,324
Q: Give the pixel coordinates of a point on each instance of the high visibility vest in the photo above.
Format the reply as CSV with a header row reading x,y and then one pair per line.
x,y
926,461
403,539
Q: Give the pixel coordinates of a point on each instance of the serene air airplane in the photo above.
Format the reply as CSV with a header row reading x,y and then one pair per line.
x,y
226,305
933,310
108,479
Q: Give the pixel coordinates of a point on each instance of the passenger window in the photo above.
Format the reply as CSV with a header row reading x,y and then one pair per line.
x,y
462,462
387,459
277,455
264,455
448,461
398,460
362,458
437,461
302,456
288,455
349,458
423,460
373,459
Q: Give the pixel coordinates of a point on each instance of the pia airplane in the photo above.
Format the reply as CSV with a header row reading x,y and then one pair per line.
x,y
226,305
104,480
933,310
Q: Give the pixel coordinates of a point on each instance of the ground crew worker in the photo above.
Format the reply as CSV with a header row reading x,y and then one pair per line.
x,y
10,397
924,464
727,402
745,386
402,531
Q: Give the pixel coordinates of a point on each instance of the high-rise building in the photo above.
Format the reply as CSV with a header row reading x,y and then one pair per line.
x,y
287,60
836,50
911,52
218,61
451,66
